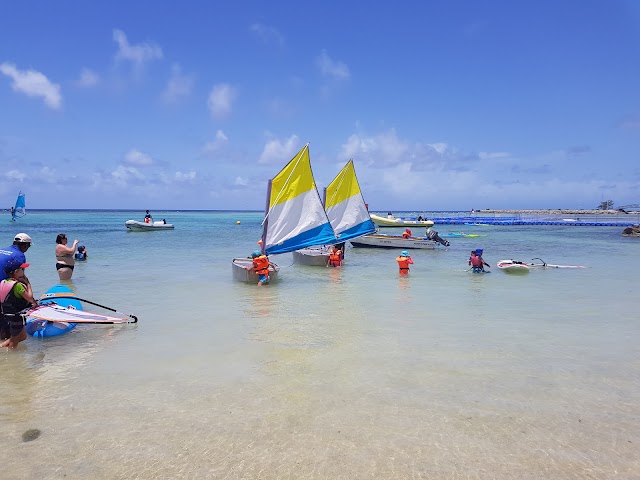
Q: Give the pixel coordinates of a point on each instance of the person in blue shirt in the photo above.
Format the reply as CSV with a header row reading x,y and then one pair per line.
x,y
14,253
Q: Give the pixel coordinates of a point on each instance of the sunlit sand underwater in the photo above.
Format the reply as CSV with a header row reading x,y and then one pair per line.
x,y
328,373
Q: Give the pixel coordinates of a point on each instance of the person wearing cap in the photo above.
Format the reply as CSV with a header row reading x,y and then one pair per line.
x,y
64,256
404,260
14,253
261,267
15,296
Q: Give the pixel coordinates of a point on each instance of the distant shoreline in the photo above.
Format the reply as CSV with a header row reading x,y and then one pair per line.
x,y
555,212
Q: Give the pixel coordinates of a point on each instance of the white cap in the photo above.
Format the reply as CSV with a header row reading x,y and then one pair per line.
x,y
22,238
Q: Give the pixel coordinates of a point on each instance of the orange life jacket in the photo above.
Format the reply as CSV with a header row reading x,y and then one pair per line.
x,y
335,258
406,235
403,262
261,265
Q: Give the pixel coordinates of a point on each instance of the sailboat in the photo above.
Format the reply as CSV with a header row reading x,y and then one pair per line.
x,y
19,210
294,216
347,213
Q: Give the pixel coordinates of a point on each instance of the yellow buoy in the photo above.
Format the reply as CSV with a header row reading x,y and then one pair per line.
x,y
238,222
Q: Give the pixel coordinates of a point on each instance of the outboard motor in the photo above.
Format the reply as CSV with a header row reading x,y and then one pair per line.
x,y
433,235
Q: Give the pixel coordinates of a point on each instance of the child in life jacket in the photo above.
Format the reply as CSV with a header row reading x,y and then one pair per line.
x,y
476,261
404,260
261,267
15,295
335,257
407,233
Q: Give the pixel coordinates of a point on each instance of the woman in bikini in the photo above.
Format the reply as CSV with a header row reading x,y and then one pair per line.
x,y
64,257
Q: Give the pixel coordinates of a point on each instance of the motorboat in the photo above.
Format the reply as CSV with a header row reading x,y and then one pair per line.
x,y
137,226
392,221
380,240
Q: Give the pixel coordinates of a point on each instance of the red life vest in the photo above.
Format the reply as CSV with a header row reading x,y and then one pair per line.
x,y
476,261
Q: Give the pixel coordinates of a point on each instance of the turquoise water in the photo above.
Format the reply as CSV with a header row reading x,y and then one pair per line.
x,y
328,373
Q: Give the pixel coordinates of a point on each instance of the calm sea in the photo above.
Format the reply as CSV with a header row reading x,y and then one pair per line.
x,y
329,373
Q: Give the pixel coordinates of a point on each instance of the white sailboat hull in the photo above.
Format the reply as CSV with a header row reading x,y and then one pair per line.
x,y
243,270
312,256
392,241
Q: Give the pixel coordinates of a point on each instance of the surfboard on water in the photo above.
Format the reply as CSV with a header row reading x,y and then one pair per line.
x,y
41,328
513,266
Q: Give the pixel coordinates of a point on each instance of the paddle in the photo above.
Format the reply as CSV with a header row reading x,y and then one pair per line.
x,y
48,296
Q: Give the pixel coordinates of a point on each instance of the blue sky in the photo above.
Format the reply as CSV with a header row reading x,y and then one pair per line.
x,y
442,105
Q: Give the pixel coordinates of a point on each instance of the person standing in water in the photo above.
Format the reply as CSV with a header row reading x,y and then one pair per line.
x,y
404,260
64,257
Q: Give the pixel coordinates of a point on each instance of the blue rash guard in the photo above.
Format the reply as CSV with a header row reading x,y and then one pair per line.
x,y
11,254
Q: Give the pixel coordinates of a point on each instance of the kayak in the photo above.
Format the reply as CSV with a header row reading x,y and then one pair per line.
x,y
513,266
135,225
42,328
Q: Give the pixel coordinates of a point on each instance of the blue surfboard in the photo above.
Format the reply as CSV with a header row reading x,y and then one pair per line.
x,y
43,328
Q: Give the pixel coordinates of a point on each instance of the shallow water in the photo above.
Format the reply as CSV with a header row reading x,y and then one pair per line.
x,y
328,373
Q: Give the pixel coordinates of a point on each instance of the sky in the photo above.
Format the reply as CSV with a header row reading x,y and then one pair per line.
x,y
441,105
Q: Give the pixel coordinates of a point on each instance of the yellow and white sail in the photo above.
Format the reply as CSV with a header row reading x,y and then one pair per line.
x,y
345,205
295,217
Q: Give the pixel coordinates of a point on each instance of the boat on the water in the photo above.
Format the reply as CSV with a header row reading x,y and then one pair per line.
x,y
380,240
294,217
347,213
243,270
137,226
513,266
392,221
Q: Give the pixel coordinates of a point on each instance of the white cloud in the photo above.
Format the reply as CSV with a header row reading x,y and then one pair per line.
x,y
185,176
88,78
123,174
220,140
33,84
136,157
241,182
279,151
15,175
179,85
332,68
138,54
382,149
267,34
221,99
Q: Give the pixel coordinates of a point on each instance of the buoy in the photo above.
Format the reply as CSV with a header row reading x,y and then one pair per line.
x,y
238,222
